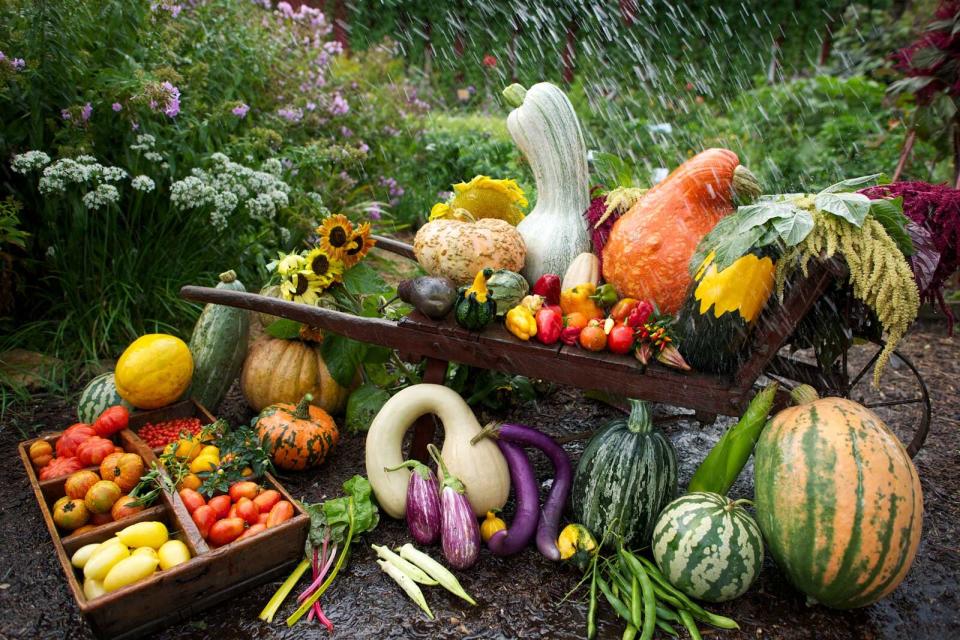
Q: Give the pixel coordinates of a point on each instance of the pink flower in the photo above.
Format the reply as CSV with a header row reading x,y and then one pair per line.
x,y
116,106
85,112
65,114
241,110
338,106
172,108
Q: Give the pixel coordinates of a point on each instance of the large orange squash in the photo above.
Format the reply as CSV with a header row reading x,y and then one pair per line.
x,y
298,437
279,370
650,246
838,500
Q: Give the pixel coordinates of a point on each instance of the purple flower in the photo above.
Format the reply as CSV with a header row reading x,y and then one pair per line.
x,y
311,106
363,147
172,108
116,106
86,111
17,64
241,110
346,132
135,125
374,212
338,106
291,114
65,114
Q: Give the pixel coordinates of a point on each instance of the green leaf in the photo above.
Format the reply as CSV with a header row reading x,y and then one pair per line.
x,y
735,246
795,228
889,213
363,279
755,215
335,514
342,357
852,207
284,328
363,406
852,184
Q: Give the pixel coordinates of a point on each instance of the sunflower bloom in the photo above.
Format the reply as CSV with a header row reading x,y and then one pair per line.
x,y
288,263
486,197
320,264
335,234
303,286
360,245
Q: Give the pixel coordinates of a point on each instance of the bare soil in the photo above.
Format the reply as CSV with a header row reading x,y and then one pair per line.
x,y
522,596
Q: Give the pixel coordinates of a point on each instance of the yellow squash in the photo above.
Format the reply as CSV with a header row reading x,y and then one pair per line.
x,y
154,371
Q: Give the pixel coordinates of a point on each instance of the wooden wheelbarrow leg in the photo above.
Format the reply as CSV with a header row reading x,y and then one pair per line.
x,y
425,426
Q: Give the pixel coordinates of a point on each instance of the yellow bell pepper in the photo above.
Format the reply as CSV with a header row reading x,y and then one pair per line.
x,y
521,323
578,299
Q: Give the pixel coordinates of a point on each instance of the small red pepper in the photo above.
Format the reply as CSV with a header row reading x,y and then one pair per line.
x,y
570,335
638,316
549,326
548,286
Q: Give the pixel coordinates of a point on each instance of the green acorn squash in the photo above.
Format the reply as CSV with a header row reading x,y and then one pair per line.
x,y
722,308
475,307
625,477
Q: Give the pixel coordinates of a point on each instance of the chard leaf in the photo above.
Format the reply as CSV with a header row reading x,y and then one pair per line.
x,y
889,213
852,207
792,230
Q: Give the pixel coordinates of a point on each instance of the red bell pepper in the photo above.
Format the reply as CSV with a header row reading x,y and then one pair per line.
x,y
548,286
570,335
549,326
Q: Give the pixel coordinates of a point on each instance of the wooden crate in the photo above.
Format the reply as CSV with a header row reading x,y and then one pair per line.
x,y
211,576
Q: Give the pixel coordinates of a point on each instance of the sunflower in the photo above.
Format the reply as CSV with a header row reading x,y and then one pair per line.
x,y
320,264
288,263
335,233
302,286
486,197
359,246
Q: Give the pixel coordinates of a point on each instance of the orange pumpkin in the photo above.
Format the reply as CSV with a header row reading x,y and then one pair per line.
x,y
282,371
650,246
298,437
124,469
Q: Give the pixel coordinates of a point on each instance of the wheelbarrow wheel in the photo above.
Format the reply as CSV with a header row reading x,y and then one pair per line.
x,y
901,400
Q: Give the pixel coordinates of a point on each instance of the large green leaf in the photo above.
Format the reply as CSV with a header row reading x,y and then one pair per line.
x,y
363,279
342,357
889,213
363,406
284,329
852,207
793,229
853,184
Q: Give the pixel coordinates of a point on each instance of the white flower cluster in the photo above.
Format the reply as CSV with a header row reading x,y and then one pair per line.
x,y
103,195
80,170
143,183
145,142
226,184
29,161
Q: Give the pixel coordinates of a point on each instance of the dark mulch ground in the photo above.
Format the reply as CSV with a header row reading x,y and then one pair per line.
x,y
520,597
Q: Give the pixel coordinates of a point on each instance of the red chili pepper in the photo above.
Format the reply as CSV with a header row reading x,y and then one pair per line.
x,y
638,316
549,326
548,286
570,335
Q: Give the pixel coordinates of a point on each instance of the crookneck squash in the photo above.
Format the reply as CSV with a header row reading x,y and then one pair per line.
x,y
649,247
838,500
722,308
625,477
297,437
218,345
545,127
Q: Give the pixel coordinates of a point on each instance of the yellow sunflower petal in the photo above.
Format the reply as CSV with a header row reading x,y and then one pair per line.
x,y
335,233
486,197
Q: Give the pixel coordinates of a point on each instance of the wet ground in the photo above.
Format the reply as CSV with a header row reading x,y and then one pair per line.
x,y
519,597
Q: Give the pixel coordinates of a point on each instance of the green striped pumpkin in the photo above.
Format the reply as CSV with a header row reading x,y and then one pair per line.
x,y
708,546
99,394
838,500
625,477
218,346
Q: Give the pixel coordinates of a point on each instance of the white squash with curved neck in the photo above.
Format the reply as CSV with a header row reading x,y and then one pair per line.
x,y
546,129
481,467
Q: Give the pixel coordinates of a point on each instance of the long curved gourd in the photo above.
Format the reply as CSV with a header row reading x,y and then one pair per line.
x,y
481,467
650,246
545,127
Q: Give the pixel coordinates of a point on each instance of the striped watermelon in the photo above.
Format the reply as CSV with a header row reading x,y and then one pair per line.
x,y
100,393
708,546
625,477
838,500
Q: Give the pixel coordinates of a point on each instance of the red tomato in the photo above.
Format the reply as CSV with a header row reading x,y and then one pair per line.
x,y
220,504
248,511
112,420
98,519
244,489
68,442
252,531
281,512
620,339
204,517
592,337
263,517
226,531
191,500
266,500
93,450
60,467
233,511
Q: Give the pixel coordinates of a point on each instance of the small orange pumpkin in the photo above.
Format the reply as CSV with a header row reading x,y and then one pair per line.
x,y
298,437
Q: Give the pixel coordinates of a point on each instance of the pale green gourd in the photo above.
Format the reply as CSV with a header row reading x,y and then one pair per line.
x,y
545,128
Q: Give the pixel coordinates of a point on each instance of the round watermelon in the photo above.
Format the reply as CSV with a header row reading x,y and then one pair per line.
x,y
100,393
838,500
708,546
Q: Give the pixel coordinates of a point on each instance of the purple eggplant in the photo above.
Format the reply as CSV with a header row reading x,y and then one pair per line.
x,y
423,502
459,531
512,540
549,524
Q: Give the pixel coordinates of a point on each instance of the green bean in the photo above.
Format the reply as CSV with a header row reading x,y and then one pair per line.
x,y
665,614
592,607
630,632
715,620
635,603
667,627
649,604
666,597
690,625
615,602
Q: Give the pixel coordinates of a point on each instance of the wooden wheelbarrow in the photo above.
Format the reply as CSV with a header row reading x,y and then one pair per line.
x,y
416,337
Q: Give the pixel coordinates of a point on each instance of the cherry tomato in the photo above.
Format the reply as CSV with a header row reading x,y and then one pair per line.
x,y
191,500
204,517
226,531
244,489
620,339
248,511
220,504
266,500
